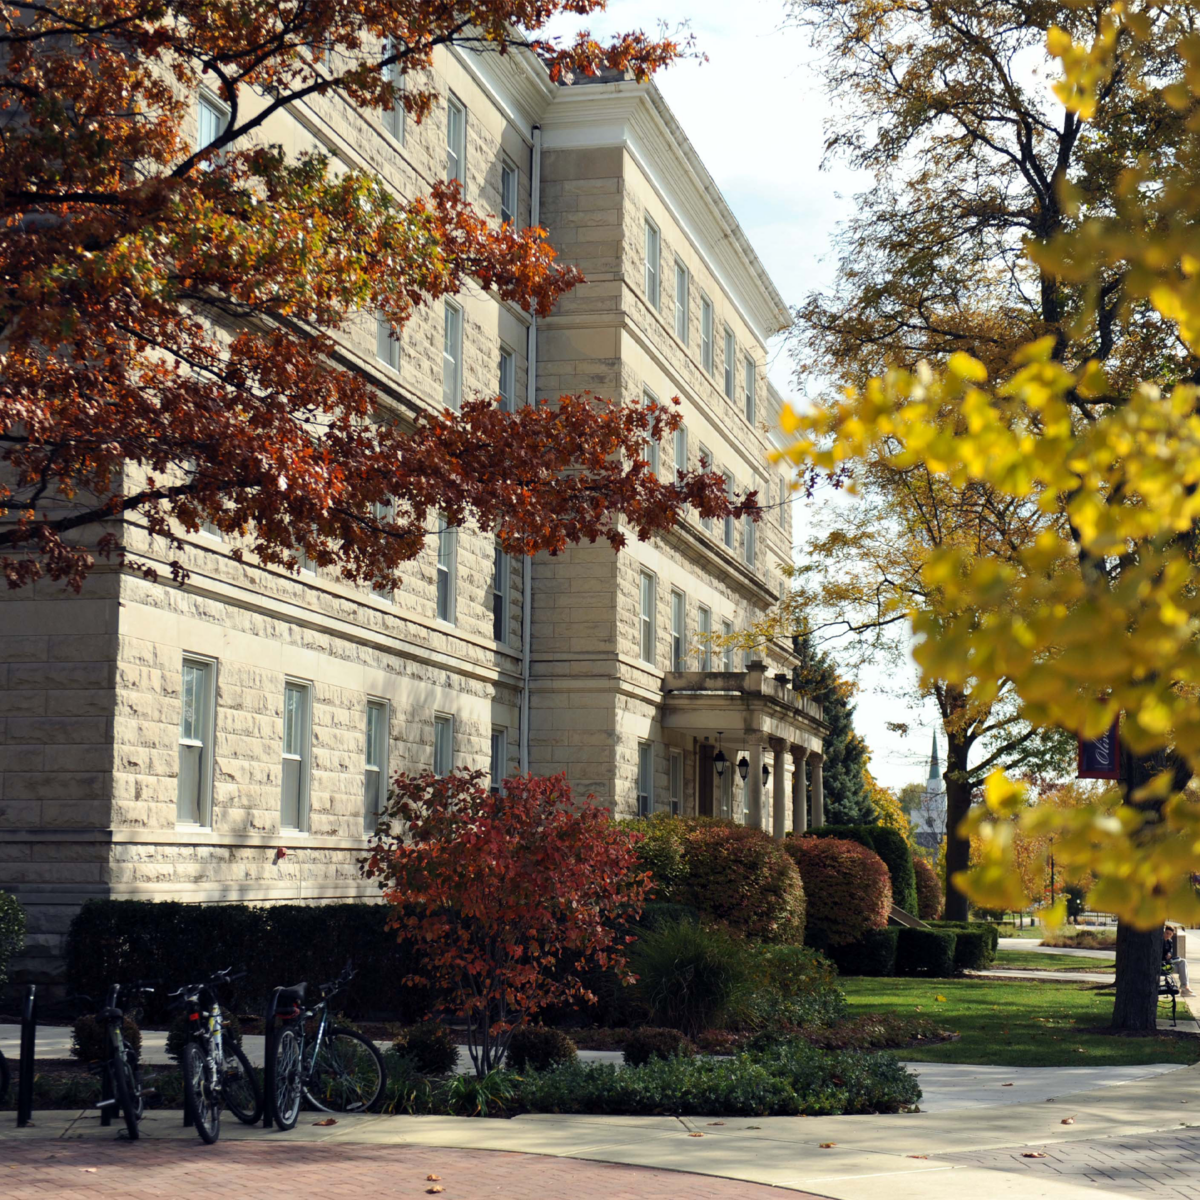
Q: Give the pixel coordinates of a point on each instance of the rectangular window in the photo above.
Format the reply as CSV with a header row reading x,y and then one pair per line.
x,y
681,302
706,333
499,763
645,779
508,379
385,514
749,539
652,264
704,632
456,140
706,464
500,595
646,633
452,357
649,447
375,772
447,570
214,120
675,781
730,361
748,383
387,345
443,744
297,750
508,192
393,118
728,520
193,801
678,630
727,652
681,450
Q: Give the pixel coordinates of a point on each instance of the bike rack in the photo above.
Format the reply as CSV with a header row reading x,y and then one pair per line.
x,y
25,1060
269,1060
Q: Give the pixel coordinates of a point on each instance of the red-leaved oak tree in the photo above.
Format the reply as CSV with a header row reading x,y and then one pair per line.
x,y
172,313
509,899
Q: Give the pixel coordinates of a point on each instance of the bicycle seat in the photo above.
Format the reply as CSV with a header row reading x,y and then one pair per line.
x,y
292,995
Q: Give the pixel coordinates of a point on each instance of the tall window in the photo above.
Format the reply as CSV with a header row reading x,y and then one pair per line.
x,y
681,450
728,520
385,514
646,619
393,118
652,263
748,387
508,379
508,192
706,463
456,140
678,630
704,630
387,345
650,447
452,357
675,781
727,652
297,749
443,744
500,595
645,779
681,302
375,771
447,570
499,763
193,800
213,120
749,539
706,333
730,362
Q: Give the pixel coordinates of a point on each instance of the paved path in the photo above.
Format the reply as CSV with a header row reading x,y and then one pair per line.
x,y
1037,948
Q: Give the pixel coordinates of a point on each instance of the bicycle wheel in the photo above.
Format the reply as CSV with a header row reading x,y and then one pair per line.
x,y
201,1097
287,1078
124,1092
347,1074
239,1086
135,1075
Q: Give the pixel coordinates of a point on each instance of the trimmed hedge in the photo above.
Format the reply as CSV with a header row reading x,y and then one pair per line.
x,y
925,952
975,948
12,931
873,954
644,1044
847,889
428,1047
538,1048
931,899
892,848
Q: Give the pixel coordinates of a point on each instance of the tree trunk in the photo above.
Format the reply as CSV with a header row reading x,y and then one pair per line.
x,y
1139,963
958,804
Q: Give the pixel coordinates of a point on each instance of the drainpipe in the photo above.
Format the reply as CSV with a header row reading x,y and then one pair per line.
x,y
535,209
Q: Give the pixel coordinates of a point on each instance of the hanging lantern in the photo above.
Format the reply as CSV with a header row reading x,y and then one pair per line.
x,y
744,768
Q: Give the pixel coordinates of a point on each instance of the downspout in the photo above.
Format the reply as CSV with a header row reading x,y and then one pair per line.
x,y
535,210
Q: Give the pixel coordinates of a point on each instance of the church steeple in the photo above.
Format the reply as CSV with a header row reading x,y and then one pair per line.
x,y
934,765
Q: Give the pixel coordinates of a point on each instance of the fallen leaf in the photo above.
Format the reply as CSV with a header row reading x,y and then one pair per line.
x,y
433,1191
828,1145
1006,1085
753,1127
940,999
433,1178
1067,1121
1033,1154
695,1135
90,1170
327,1121
722,1122
918,1156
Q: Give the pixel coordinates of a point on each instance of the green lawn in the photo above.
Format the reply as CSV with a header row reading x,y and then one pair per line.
x,y
1034,960
1014,1023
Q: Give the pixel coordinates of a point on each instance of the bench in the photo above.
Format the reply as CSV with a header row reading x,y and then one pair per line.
x,y
1168,987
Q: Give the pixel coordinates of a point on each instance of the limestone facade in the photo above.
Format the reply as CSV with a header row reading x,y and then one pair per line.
x,y
302,689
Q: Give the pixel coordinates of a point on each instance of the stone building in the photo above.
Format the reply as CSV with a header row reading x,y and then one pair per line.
x,y
230,739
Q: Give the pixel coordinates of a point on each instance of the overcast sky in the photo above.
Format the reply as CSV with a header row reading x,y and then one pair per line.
x,y
755,111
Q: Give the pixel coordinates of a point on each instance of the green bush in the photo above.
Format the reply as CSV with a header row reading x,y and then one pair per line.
x,y
644,1044
925,952
12,931
177,1035
89,1039
429,1047
794,986
873,954
892,848
975,948
658,912
931,898
661,851
538,1048
847,889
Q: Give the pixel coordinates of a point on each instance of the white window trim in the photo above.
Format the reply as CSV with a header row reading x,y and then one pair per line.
x,y
383,329
304,800
653,277
452,394
445,720
727,651
682,306
706,464
497,784
707,350
675,794
501,586
645,796
679,442
207,748
508,168
395,121
460,151
644,617
703,638
750,389
730,364
508,403
450,532
727,534
382,768
205,97
678,652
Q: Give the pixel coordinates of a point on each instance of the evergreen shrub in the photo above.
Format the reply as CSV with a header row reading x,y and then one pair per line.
x,y
847,889
538,1048
873,954
429,1047
644,1044
931,898
925,952
12,931
890,845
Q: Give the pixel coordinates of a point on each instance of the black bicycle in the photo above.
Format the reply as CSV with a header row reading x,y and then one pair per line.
x,y
216,1072
335,1069
120,1069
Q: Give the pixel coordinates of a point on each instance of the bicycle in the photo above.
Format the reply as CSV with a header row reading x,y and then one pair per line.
x,y
121,1070
215,1072
342,1072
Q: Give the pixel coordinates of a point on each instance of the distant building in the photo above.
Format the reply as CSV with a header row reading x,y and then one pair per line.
x,y
930,816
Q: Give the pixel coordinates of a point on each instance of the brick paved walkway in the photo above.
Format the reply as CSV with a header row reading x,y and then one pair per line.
x,y
184,1170
1165,1166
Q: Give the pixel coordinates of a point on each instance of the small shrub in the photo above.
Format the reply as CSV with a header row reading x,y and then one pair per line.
x,y
796,986
538,1048
1085,939
847,889
89,1040
177,1035
429,1046
644,1044
661,852
931,899
975,948
12,931
925,952
892,848
656,913
873,954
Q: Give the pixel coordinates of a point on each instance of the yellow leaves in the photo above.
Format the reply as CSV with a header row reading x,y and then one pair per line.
x,y
1002,796
1085,68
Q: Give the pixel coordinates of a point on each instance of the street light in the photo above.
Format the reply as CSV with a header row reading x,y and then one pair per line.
x,y
744,768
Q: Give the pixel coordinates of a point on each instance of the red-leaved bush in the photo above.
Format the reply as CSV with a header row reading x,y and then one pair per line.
x,y
847,887
510,899
931,899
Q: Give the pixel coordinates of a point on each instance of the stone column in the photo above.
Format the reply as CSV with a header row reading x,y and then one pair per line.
x,y
818,792
799,791
754,786
779,793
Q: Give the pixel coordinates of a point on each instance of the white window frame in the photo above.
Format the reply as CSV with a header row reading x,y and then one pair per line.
x,y
727,649
727,532
680,448
500,593
395,119
456,140
387,344
645,779
510,190
749,540
706,333
749,388
730,363
653,249
204,741
678,630
385,511
207,102
508,380
706,464
375,774
452,355
443,730
498,759
703,638
682,305
675,781
304,792
647,616
447,566
651,454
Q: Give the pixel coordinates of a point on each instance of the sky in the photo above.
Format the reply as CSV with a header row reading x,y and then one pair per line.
x,y
755,111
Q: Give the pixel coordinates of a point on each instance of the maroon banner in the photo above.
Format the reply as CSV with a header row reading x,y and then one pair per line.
x,y
1100,758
